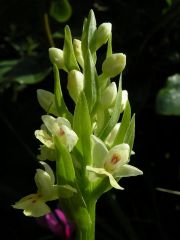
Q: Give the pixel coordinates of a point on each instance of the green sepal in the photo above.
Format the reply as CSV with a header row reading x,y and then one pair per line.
x,y
64,166
68,51
124,125
130,134
89,29
109,47
90,80
82,127
66,191
32,78
115,113
59,100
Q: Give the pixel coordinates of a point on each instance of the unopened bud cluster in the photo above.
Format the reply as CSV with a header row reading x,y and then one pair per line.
x,y
112,66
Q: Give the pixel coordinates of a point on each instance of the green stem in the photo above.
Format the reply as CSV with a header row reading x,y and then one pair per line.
x,y
92,212
89,232
48,30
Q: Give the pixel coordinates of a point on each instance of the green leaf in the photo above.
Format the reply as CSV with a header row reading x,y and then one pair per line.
x,y
115,113
25,70
130,133
68,51
173,81
89,29
168,101
90,80
169,2
59,101
124,125
64,165
60,10
5,66
32,78
168,98
82,127
8,63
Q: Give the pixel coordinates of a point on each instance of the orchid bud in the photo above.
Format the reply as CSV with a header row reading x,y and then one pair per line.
x,y
101,36
78,52
124,99
112,135
43,182
108,96
56,57
75,84
47,101
114,64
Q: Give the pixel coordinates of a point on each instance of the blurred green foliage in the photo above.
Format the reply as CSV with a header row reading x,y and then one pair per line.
x,y
30,63
168,98
147,31
60,10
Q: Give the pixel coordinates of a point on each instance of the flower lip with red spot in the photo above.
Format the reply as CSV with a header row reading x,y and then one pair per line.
x,y
115,158
111,165
61,132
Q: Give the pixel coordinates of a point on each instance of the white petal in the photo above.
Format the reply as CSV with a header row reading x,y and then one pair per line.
x,y
51,124
108,96
63,121
44,137
111,137
25,201
61,127
38,209
127,171
44,184
49,171
102,171
33,205
69,138
99,151
124,99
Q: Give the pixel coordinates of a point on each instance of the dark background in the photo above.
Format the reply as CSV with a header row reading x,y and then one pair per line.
x,y
148,32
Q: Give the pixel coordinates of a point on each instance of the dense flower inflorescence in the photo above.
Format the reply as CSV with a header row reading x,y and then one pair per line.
x,y
90,148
